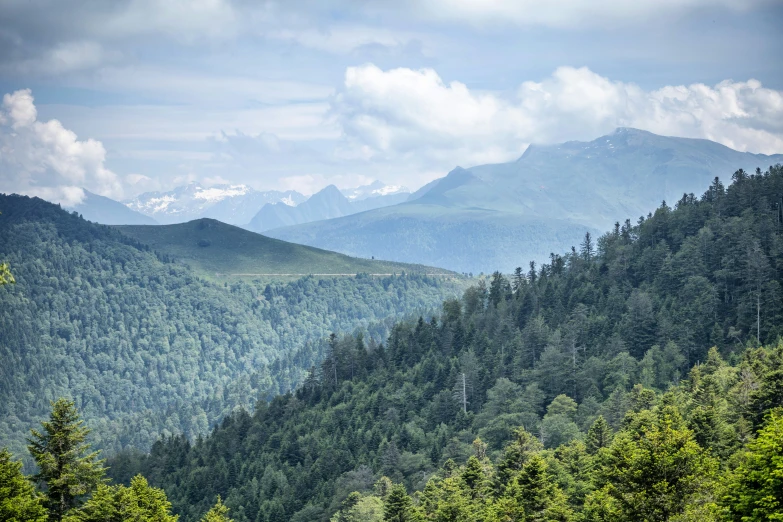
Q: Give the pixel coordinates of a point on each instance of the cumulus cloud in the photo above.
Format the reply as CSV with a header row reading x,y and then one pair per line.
x,y
403,115
44,158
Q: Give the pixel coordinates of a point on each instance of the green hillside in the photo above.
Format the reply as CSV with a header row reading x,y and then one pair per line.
x,y
216,249
631,366
147,348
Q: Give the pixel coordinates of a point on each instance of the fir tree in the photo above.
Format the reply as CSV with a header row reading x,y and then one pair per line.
x,y
19,501
598,436
399,507
754,490
138,502
218,513
66,468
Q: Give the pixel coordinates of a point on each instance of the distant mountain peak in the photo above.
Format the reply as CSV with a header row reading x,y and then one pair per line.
x,y
374,189
232,203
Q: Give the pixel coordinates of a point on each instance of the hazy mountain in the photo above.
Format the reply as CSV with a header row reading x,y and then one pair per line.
x,y
235,204
502,215
374,189
328,203
105,210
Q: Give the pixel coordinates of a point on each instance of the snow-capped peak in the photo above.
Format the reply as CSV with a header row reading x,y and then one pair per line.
x,y
221,192
374,189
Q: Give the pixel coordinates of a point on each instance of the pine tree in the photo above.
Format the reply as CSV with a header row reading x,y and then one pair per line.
x,y
399,507
65,466
138,502
654,468
218,513
19,501
754,491
598,436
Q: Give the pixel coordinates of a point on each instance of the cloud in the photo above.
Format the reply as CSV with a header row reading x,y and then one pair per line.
x,y
414,117
46,159
566,13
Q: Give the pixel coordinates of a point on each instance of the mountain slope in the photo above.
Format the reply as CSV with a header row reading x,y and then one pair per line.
x,y
327,203
144,346
234,204
100,209
211,247
558,191
637,334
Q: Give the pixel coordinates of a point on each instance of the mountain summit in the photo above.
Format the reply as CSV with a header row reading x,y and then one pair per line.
x,y
502,215
233,204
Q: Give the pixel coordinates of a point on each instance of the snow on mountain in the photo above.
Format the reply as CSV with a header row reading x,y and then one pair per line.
x,y
233,204
374,189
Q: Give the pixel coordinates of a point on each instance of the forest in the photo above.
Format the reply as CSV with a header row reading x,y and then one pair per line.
x,y
146,348
637,377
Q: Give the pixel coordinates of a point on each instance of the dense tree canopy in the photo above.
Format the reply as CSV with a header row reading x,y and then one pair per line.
x,y
641,347
143,347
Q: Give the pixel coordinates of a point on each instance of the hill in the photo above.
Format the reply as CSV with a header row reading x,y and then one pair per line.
x,y
214,248
143,345
100,209
557,191
566,393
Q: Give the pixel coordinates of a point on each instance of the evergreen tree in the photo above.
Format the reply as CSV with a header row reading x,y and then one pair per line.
x,y
754,491
598,436
217,513
19,501
138,502
399,507
66,468
654,468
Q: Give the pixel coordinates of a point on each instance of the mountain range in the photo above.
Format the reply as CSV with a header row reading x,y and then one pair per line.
x,y
328,203
106,211
233,204
499,216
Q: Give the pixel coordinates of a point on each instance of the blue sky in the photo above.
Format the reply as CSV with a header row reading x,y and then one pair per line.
x,y
136,95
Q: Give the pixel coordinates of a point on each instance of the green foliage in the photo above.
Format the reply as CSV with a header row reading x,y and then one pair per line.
x,y
598,436
147,349
754,490
654,469
615,338
138,502
6,277
65,466
19,502
217,513
398,506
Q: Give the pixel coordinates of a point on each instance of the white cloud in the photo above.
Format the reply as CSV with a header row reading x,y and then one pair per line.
x,y
46,159
413,117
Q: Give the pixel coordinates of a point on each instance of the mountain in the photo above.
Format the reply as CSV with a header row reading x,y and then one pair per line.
x,y
565,394
497,216
328,203
374,189
148,348
211,247
100,209
234,204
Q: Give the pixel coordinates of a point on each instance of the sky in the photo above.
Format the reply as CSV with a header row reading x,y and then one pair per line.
x,y
130,96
